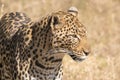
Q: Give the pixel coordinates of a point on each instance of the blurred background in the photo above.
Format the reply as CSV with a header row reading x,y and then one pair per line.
x,y
102,20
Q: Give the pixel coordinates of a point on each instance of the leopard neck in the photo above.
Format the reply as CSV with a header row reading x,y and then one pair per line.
x,y
46,63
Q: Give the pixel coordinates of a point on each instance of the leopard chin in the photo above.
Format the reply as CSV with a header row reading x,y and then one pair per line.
x,y
78,58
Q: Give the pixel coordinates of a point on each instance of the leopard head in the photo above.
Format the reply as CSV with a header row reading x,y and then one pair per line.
x,y
69,35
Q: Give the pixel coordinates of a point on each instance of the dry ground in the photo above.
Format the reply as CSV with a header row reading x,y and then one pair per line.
x,y
102,19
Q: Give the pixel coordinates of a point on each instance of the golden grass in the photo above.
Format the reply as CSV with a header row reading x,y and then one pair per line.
x,y
102,19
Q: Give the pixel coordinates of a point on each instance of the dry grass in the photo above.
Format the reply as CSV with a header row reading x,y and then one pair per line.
x,y
102,19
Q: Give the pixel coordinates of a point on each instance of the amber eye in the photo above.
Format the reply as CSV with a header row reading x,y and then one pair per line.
x,y
74,37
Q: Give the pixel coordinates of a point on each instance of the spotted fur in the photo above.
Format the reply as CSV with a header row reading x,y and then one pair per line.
x,y
34,50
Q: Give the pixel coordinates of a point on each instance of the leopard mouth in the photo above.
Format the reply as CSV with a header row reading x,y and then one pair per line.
x,y
78,57
74,55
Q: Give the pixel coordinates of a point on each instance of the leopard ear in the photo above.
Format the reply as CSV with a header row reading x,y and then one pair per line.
x,y
55,23
55,20
73,11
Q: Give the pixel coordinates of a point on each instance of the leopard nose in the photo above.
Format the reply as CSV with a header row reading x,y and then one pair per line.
x,y
86,52
87,49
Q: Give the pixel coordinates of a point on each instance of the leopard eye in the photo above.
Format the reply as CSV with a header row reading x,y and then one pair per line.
x,y
75,36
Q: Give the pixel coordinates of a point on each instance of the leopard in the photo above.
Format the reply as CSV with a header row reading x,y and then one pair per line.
x,y
34,50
